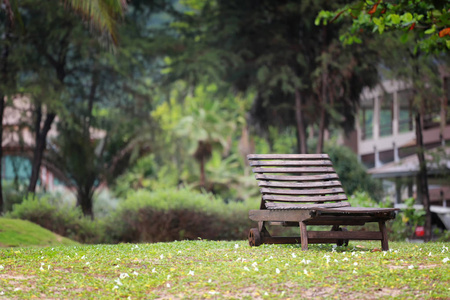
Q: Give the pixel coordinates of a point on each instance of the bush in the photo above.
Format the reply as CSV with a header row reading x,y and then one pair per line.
x,y
12,194
352,173
171,214
63,220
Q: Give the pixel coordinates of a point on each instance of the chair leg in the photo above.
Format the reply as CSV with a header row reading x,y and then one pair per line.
x,y
384,236
304,236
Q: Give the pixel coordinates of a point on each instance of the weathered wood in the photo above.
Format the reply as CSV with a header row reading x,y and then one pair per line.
x,y
292,206
287,156
294,170
346,235
333,183
384,237
302,192
354,210
279,215
305,198
289,182
303,236
296,178
290,163
342,220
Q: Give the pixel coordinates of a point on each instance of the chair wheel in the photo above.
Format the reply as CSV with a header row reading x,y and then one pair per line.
x,y
254,238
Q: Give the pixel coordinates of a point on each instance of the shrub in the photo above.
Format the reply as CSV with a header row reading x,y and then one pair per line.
x,y
171,214
352,173
63,220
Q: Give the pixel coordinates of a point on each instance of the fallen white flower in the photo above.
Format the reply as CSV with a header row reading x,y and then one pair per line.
x,y
123,275
118,281
278,271
191,273
411,267
168,285
236,246
445,260
293,255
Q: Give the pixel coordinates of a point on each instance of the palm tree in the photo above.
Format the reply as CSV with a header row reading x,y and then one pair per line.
x,y
101,14
206,127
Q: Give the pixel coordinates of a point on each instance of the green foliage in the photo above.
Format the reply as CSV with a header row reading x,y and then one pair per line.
x,y
19,233
404,226
352,173
429,19
63,220
171,214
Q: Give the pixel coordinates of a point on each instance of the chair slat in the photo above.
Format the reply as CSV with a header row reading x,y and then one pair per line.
x,y
272,205
291,163
304,199
302,192
294,170
287,156
334,183
296,178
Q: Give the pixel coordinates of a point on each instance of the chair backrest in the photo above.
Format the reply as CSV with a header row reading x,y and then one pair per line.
x,y
296,178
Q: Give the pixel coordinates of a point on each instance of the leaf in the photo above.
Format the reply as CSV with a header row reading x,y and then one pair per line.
x,y
444,32
431,30
373,9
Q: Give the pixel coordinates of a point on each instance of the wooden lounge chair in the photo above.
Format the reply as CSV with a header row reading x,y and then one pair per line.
x,y
304,189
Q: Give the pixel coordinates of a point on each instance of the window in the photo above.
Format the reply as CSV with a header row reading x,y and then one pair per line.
x,y
405,123
366,119
386,115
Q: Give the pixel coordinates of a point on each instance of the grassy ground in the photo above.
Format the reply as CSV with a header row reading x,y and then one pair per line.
x,y
224,270
15,233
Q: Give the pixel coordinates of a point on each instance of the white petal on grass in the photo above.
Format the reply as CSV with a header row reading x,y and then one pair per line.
x,y
135,273
429,254
294,255
256,269
212,292
354,272
254,264
1,267
115,287
246,269
191,273
277,270
161,256
410,267
345,259
123,275
445,260
355,263
168,277
305,272
209,280
2,293
83,257
153,270
168,285
118,281
236,246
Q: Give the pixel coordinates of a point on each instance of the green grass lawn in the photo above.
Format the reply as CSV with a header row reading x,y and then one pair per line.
x,y
15,233
222,270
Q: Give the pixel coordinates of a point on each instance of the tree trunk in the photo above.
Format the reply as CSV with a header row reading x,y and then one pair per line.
x,y
320,138
4,79
422,177
2,108
84,200
301,133
202,172
40,144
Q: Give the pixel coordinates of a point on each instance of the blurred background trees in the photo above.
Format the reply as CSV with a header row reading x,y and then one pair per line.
x,y
152,95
